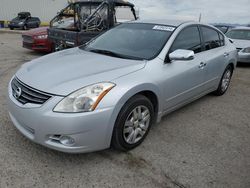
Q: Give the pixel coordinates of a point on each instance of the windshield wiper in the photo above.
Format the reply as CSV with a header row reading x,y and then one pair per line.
x,y
114,54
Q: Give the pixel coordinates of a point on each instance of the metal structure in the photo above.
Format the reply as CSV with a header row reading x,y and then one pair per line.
x,y
83,20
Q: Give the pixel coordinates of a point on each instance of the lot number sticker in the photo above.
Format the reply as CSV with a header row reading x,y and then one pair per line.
x,y
163,28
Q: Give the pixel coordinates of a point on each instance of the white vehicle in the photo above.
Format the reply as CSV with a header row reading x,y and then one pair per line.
x,y
241,38
110,91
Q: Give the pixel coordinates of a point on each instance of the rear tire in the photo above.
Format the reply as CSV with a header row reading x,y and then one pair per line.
x,y
11,28
225,81
133,123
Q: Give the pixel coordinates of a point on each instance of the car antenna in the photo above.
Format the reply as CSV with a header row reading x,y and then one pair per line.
x,y
200,17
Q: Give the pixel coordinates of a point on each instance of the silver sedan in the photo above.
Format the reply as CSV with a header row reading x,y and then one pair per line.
x,y
110,91
241,38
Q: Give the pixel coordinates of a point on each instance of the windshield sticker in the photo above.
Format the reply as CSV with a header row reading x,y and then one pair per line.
x,y
163,28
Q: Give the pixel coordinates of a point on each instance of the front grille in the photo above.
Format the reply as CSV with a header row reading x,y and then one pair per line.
x,y
25,94
27,45
27,39
64,35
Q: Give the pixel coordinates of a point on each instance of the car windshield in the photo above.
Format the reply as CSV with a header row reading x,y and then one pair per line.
x,y
132,41
239,34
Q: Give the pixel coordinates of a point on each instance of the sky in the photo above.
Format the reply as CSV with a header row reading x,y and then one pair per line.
x,y
213,11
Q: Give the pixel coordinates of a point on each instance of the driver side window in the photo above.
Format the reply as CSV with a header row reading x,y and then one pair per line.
x,y
188,39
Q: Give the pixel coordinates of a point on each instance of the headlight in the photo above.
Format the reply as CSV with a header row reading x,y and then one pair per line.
x,y
246,50
20,23
41,37
85,99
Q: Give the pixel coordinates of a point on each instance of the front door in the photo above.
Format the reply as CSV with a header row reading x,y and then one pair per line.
x,y
185,79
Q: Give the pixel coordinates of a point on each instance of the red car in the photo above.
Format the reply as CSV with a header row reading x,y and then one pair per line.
x,y
37,39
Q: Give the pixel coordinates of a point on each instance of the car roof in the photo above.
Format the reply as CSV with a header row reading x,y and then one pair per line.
x,y
117,2
24,13
174,23
223,25
241,28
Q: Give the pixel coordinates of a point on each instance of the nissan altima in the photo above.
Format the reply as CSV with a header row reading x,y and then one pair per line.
x,y
110,91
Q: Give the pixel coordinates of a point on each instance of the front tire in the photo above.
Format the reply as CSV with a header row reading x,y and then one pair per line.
x,y
25,27
225,81
133,123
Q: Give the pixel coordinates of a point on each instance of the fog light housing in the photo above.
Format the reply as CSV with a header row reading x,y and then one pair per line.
x,y
67,141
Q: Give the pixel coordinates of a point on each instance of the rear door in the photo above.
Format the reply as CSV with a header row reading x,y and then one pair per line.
x,y
185,79
216,56
31,22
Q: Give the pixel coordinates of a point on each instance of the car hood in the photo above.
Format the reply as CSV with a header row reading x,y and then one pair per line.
x,y
17,20
241,43
37,31
63,72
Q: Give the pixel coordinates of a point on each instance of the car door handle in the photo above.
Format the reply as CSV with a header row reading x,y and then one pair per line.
x,y
202,65
226,54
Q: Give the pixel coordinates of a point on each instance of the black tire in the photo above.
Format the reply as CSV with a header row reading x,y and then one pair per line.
x,y
25,27
11,28
221,90
118,139
52,48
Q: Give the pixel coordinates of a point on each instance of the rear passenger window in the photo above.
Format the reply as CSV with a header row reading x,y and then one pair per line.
x,y
188,39
211,38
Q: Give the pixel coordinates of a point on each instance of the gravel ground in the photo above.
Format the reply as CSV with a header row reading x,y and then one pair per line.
x,y
205,144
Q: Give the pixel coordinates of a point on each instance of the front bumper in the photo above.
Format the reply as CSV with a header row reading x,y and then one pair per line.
x,y
15,25
43,45
91,131
244,57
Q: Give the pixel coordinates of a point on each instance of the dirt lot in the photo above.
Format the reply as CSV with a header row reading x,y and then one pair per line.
x,y
205,144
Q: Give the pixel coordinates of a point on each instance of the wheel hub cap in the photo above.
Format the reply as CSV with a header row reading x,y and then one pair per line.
x,y
136,125
226,80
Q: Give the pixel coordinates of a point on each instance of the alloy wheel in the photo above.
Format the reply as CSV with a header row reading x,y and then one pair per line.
x,y
226,80
136,124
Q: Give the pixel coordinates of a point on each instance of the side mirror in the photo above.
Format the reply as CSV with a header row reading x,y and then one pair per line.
x,y
231,40
183,55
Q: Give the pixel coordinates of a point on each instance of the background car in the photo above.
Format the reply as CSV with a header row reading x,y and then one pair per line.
x,y
241,38
24,21
37,39
110,91
224,28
